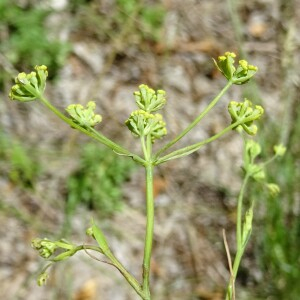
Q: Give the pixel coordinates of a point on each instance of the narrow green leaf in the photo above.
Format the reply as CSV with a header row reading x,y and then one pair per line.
x,y
100,238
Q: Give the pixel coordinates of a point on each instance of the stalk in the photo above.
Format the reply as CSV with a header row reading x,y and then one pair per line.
x,y
239,242
149,225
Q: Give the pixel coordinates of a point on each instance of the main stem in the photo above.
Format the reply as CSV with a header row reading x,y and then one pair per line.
x,y
150,223
239,242
240,248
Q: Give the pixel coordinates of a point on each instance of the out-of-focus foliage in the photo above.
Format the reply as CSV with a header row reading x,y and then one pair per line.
x,y
17,162
133,20
279,236
25,38
97,182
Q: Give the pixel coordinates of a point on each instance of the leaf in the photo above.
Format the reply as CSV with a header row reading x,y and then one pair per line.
x,y
100,238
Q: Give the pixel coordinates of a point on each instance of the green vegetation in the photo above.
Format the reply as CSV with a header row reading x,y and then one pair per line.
x,y
25,39
126,20
279,241
17,162
148,127
98,164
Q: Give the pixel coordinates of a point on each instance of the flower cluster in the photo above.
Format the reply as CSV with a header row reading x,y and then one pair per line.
x,y
148,100
142,122
237,75
84,117
42,279
45,247
245,114
30,86
255,170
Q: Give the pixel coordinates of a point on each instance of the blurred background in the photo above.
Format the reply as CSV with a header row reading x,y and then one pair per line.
x,y
53,179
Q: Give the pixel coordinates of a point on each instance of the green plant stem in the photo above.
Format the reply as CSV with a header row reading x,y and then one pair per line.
x,y
130,279
149,231
88,247
239,240
92,133
150,223
192,148
144,148
196,121
237,260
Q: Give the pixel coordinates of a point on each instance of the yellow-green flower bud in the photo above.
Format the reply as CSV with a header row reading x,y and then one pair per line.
x,y
253,149
243,113
30,86
85,117
273,189
257,173
142,123
158,128
90,232
45,247
279,150
36,243
148,100
42,279
244,72
225,64
237,75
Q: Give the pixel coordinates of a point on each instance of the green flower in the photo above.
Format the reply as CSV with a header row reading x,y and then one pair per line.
x,y
45,247
42,279
273,189
257,172
30,86
237,75
84,117
245,114
279,150
142,123
253,149
148,100
89,232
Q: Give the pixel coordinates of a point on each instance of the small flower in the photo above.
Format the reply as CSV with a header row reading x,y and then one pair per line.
x,y
85,117
244,72
142,123
243,113
257,172
237,75
279,150
273,189
225,64
148,100
253,149
89,232
45,247
42,279
30,86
